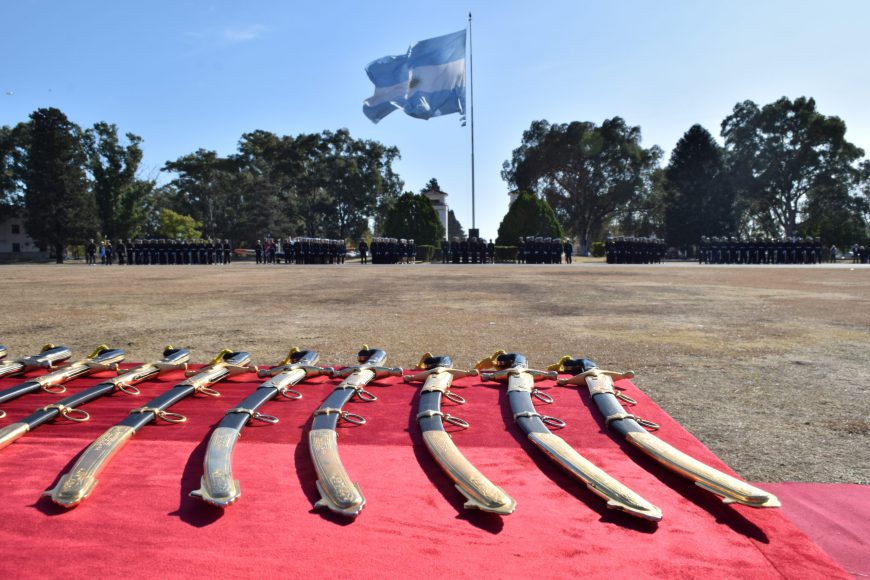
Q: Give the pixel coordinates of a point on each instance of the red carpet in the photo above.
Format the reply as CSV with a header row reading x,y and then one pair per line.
x,y
834,516
140,522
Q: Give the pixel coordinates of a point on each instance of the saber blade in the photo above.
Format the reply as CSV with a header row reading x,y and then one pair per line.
x,y
217,485
512,368
337,491
76,485
68,408
437,378
604,394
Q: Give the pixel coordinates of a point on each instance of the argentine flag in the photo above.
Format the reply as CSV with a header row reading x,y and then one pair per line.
x,y
428,81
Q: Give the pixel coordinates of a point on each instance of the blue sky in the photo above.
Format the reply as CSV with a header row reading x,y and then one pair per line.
x,y
186,75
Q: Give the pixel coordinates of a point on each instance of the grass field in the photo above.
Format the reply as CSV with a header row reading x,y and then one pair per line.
x,y
768,366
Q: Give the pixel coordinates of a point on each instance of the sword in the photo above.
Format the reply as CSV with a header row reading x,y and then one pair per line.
x,y
513,369
68,407
337,491
102,359
438,375
217,485
75,486
46,359
602,390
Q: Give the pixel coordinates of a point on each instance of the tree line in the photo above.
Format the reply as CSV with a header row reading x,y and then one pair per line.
x,y
785,170
74,184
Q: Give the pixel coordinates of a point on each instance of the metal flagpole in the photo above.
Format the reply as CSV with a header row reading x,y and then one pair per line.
x,y
471,114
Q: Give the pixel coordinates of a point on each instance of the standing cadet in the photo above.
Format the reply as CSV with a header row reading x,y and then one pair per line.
x,y
445,251
258,251
568,248
490,252
91,253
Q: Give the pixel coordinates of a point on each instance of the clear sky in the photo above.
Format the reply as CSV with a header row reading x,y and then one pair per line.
x,y
186,75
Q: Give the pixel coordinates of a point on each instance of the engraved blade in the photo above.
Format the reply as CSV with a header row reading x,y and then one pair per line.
x,y
480,491
337,491
217,485
731,489
618,496
78,484
11,432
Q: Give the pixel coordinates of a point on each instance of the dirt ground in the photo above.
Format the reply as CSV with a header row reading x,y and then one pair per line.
x,y
768,366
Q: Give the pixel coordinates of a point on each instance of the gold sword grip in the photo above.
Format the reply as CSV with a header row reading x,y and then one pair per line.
x,y
480,492
730,489
217,485
78,484
337,491
617,495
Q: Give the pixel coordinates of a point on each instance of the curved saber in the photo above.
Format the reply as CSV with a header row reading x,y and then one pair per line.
x,y
47,358
602,390
437,379
102,359
217,485
76,485
68,407
513,370
337,491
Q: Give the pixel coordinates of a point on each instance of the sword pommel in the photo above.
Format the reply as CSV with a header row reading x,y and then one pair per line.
x,y
371,356
47,358
2,352
105,358
583,368
489,362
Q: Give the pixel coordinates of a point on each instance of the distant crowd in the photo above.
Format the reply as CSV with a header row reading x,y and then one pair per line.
x,y
388,251
152,252
634,250
300,251
793,250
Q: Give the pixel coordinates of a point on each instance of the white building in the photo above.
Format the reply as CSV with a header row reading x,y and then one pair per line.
x,y
14,241
439,203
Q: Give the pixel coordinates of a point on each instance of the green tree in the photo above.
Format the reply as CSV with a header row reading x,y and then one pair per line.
x,y
587,173
119,194
698,197
60,208
173,226
783,155
413,217
528,215
10,195
454,227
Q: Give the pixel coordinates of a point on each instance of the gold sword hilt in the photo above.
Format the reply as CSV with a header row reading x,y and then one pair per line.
x,y
427,370
291,363
597,380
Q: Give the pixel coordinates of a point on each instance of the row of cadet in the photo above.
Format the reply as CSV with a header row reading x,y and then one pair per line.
x,y
300,251
794,250
544,250
151,252
634,250
388,251
469,251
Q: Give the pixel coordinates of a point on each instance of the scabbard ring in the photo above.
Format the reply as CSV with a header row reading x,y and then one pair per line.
x,y
446,417
205,390
458,399
620,416
553,422
541,396
2,413
254,415
161,414
342,415
289,393
128,388
67,412
53,389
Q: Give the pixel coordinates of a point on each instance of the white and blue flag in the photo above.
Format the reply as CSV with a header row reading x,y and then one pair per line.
x,y
428,81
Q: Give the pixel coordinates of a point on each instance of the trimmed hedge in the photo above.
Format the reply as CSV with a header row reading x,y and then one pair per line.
x,y
506,253
597,250
425,253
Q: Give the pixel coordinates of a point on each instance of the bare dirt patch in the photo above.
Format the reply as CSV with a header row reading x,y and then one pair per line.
x,y
768,366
